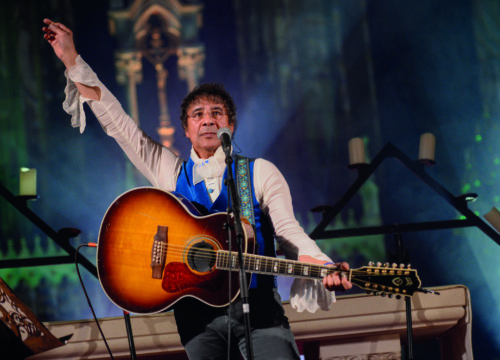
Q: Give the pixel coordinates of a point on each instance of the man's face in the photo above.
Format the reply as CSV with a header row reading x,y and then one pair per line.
x,y
205,117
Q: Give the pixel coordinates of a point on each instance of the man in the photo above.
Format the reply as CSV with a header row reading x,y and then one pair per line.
x,y
204,330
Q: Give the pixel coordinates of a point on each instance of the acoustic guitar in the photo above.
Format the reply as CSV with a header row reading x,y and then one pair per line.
x,y
155,248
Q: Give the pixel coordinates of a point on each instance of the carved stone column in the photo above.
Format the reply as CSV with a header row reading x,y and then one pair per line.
x,y
165,130
129,73
190,64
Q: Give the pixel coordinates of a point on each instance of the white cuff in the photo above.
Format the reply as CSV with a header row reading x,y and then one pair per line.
x,y
73,103
310,295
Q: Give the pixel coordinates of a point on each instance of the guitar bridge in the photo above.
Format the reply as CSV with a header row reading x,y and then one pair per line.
x,y
159,252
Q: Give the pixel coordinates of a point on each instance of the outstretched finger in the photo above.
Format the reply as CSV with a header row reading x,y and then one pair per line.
x,y
343,265
55,28
49,37
63,27
59,28
346,284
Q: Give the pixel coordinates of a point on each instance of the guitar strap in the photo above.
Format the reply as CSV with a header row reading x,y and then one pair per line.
x,y
244,183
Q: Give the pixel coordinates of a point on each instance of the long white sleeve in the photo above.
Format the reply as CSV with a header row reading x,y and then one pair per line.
x,y
156,162
273,194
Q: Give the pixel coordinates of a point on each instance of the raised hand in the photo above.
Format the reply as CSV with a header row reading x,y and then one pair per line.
x,y
61,40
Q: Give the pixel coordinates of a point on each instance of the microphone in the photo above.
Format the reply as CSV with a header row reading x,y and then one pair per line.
x,y
224,134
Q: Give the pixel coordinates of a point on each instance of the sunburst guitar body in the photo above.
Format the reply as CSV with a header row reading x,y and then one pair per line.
x,y
154,249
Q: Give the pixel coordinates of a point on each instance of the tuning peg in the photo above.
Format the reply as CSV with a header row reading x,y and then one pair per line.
x,y
401,266
386,264
371,263
408,266
394,265
379,264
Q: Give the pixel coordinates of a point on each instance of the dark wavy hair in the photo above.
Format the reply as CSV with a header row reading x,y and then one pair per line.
x,y
214,92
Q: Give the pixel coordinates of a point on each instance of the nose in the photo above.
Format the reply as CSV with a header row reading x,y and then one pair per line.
x,y
208,119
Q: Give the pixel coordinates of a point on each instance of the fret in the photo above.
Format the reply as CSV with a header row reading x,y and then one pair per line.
x,y
272,266
305,270
248,262
218,260
267,265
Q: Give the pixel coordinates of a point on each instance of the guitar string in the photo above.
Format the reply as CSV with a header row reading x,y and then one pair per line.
x,y
249,260
357,277
283,264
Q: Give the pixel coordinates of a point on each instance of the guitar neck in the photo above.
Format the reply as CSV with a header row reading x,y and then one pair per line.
x,y
273,266
375,279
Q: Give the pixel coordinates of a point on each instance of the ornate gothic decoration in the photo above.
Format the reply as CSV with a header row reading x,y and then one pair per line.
x,y
155,30
19,324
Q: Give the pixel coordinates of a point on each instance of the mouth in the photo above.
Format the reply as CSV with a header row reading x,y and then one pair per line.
x,y
208,134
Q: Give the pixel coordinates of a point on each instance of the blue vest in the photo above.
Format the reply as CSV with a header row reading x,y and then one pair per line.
x,y
244,180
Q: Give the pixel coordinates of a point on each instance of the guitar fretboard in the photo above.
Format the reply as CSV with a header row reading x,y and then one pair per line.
x,y
272,266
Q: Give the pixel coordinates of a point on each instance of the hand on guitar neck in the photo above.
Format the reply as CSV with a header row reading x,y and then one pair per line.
x,y
336,281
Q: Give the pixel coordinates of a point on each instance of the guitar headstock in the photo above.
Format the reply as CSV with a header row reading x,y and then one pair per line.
x,y
387,279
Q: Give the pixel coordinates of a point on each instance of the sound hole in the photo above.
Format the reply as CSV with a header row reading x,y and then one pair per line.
x,y
201,257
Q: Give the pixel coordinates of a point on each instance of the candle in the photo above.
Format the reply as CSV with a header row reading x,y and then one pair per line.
x,y
427,147
356,151
27,182
493,217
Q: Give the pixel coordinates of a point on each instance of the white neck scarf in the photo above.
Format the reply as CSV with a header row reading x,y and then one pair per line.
x,y
212,167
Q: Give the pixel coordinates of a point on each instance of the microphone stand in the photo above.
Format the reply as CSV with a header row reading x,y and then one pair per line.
x,y
400,257
235,204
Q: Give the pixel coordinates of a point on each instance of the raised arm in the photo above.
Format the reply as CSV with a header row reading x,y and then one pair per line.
x,y
156,162
61,40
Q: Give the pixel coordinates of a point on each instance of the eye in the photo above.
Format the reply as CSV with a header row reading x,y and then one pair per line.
x,y
217,113
197,115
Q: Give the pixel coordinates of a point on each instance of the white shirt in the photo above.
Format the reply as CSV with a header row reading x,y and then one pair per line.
x,y
161,167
